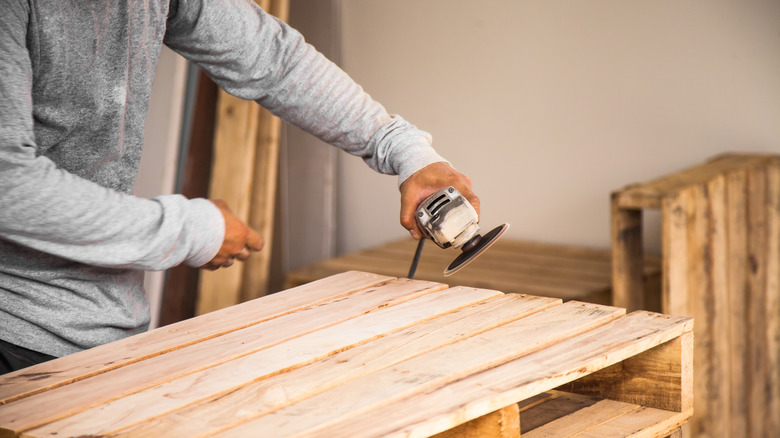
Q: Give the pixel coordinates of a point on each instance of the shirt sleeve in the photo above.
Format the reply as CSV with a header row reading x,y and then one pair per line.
x,y
51,210
252,55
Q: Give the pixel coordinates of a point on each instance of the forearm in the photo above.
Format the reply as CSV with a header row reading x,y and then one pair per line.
x,y
260,58
50,210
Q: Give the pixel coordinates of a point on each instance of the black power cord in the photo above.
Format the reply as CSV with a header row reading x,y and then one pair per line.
x,y
416,258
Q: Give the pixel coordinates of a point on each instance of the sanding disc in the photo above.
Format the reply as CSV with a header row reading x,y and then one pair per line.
x,y
470,254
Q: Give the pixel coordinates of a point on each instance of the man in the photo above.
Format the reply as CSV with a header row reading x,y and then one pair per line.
x,y
75,79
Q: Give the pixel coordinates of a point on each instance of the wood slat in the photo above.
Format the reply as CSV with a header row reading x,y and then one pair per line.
x,y
641,423
56,403
441,408
23,383
650,194
427,371
700,300
736,223
772,307
674,229
227,378
756,304
582,420
263,396
627,258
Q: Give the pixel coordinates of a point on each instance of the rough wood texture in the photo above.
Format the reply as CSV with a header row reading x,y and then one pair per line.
x,y
331,357
511,266
244,174
721,265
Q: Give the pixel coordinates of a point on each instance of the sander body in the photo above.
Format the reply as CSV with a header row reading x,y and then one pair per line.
x,y
449,219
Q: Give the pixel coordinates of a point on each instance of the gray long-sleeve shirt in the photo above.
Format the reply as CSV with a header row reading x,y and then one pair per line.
x,y
75,80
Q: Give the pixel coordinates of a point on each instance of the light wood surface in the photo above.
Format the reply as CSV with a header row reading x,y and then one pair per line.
x,y
511,266
721,265
331,357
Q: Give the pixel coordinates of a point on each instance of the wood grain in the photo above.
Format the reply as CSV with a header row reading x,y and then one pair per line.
x,y
341,367
226,378
441,366
98,360
57,403
441,408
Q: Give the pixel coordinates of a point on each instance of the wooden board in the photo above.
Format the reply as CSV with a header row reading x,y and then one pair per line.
x,y
244,174
437,409
425,357
512,266
105,358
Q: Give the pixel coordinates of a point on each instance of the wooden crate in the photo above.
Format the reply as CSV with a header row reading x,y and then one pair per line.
x,y
364,355
721,265
511,266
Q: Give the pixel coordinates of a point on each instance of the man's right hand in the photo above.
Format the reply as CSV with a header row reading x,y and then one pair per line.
x,y
239,242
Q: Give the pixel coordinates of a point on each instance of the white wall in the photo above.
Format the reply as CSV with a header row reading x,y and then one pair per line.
x,y
550,106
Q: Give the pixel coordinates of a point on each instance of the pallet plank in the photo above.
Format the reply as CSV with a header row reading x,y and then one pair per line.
x,y
642,423
263,396
443,365
225,379
59,402
736,207
583,419
756,303
627,258
58,372
441,408
772,307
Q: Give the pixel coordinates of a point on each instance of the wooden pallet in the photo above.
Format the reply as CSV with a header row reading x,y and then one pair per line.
x,y
365,355
721,265
511,266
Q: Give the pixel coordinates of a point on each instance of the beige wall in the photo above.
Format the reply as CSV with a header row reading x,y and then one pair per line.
x,y
549,106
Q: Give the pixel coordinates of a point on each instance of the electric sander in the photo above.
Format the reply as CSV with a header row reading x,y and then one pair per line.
x,y
449,219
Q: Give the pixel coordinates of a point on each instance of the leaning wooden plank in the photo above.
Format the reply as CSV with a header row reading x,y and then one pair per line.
x,y
59,402
438,367
246,161
256,273
642,423
736,207
231,181
441,408
583,420
263,396
104,358
225,379
757,302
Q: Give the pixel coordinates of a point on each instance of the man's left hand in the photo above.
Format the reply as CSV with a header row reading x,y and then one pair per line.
x,y
426,182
